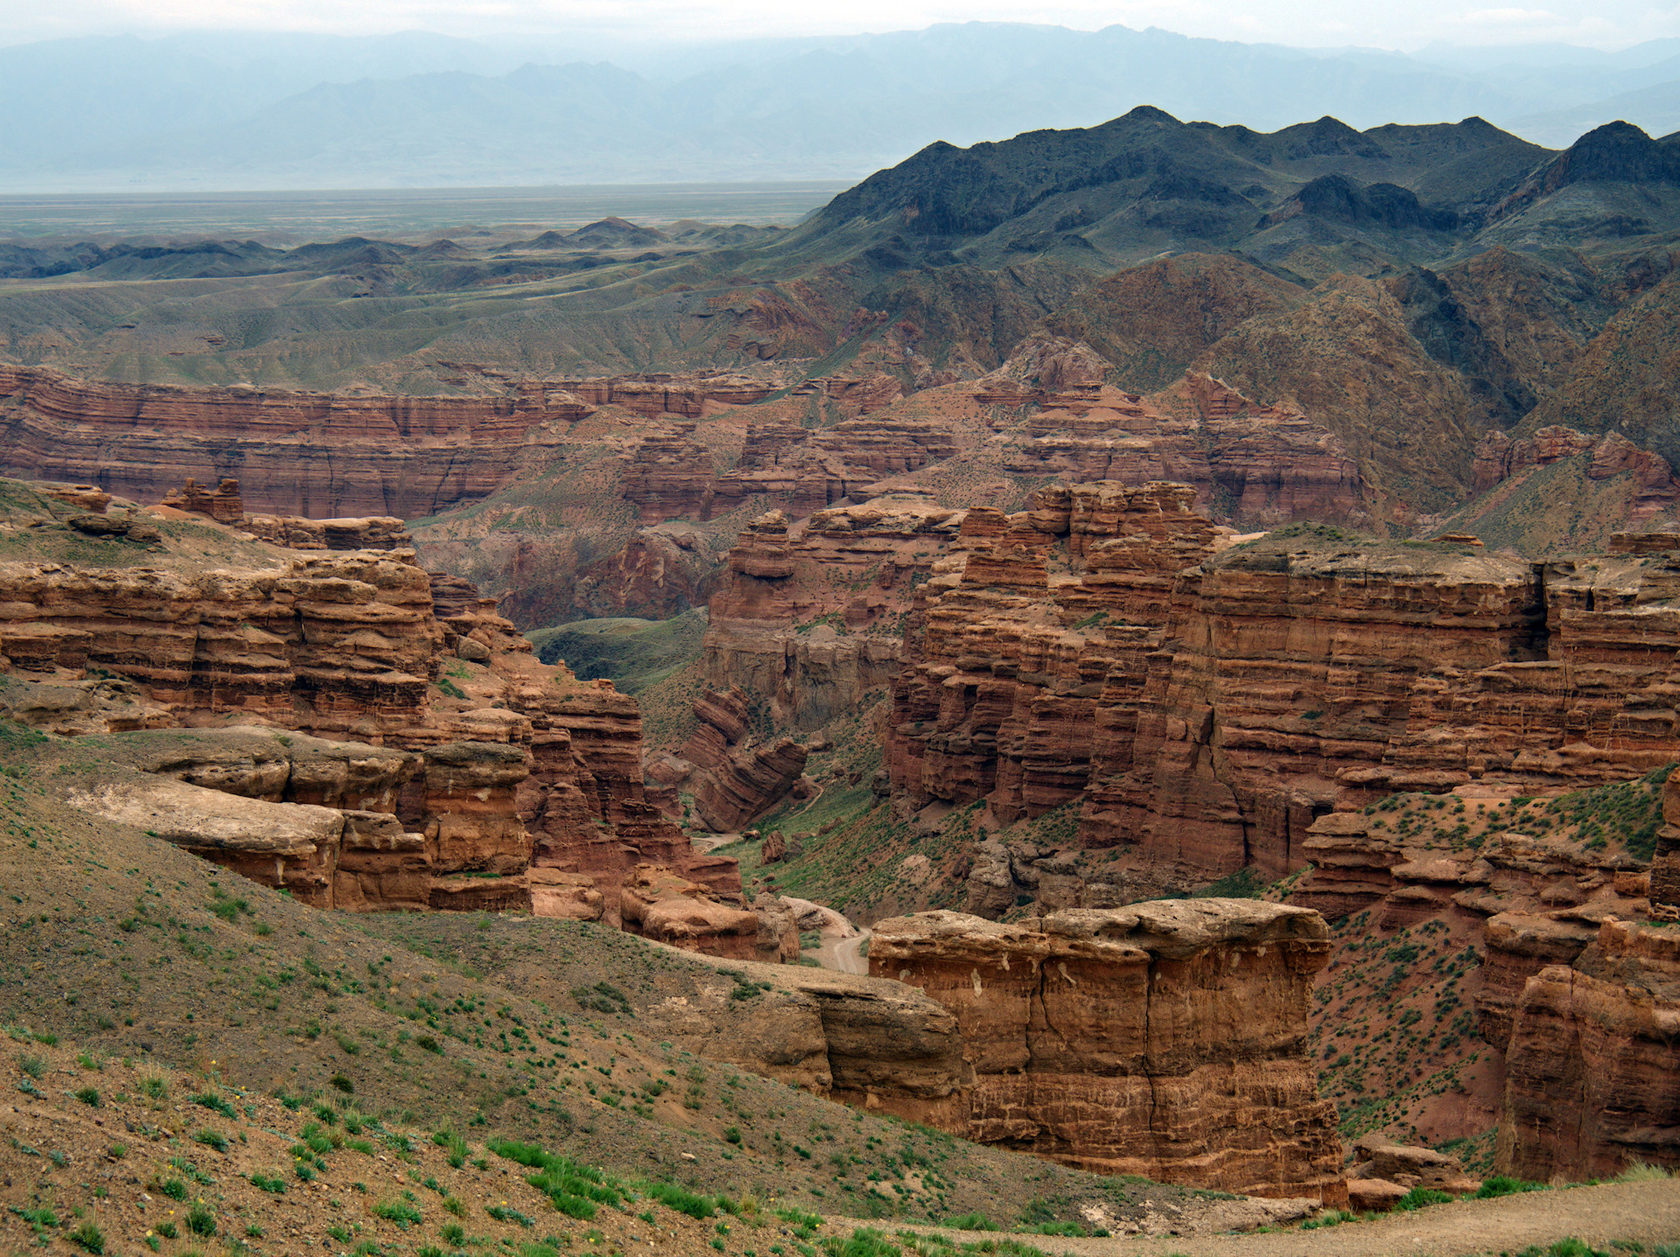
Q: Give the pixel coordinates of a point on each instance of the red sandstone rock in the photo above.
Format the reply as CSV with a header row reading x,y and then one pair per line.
x,y
720,723
1164,1039
1374,1195
763,636
664,906
314,454
1590,1082
748,783
224,505
510,766
1498,458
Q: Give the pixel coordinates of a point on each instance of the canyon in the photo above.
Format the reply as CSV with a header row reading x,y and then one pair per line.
x,y
1232,693
444,766
1203,706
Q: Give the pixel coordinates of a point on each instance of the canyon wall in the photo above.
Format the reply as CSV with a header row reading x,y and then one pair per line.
x,y
1165,1039
312,454
807,615
1576,996
1265,465
1206,702
1591,1037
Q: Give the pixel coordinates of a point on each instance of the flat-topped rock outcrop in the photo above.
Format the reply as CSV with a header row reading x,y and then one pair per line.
x,y
1166,1039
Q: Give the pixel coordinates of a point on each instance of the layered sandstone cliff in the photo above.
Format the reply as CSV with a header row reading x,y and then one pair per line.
x,y
1261,464
733,780
1164,1039
1016,635
1590,1036
1545,905
313,454
807,615
1591,1086
1205,702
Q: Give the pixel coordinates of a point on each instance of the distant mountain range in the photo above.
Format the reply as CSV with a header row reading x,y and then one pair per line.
x,y
1319,194
295,111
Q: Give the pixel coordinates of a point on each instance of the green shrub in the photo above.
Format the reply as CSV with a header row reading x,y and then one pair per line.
x,y
454,1147
862,1243
1418,1197
212,1139
272,1184
215,1103
89,1096
89,1237
1502,1185
682,1200
576,1189
1642,1172
201,1221
401,1212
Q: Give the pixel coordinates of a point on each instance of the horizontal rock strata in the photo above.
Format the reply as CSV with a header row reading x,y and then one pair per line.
x,y
807,616
317,455
1164,1039
1207,702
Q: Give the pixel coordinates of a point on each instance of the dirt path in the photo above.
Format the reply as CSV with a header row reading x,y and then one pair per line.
x,y
843,954
1648,1212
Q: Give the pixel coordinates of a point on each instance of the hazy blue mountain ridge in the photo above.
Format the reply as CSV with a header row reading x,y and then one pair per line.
x,y
270,111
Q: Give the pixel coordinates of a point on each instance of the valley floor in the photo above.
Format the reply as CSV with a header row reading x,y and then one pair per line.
x,y
1618,1215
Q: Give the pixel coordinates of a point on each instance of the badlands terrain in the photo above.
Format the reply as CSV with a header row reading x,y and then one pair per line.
x,y
1100,693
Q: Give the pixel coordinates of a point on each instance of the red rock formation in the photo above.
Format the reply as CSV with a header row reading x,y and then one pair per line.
x,y
808,469
789,623
669,475
379,532
1164,1039
1209,704
1309,677
1499,457
686,396
1591,1085
720,723
1587,1021
1000,695
660,905
748,783
314,454
515,764
1259,464
311,454
225,505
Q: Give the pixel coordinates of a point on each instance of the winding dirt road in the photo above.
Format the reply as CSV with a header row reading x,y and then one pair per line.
x,y
843,954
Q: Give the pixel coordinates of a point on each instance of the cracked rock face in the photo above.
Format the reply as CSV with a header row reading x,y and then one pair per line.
x,y
1164,1039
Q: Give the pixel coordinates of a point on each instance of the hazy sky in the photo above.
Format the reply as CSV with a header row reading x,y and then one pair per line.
x,y
1601,23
